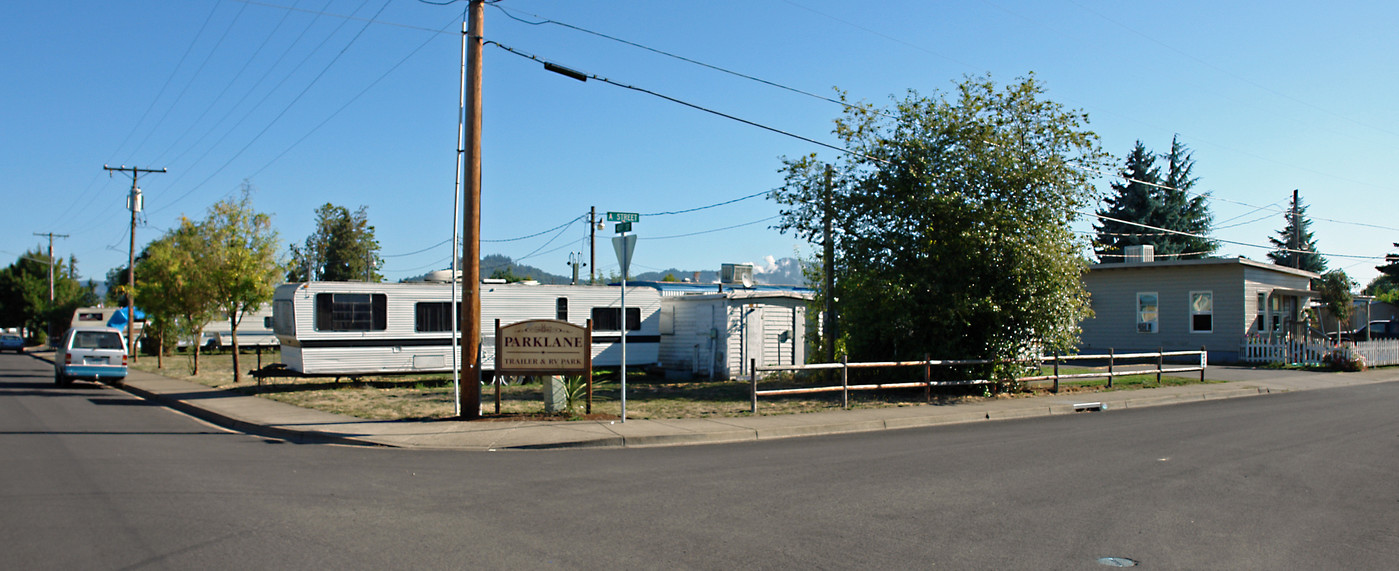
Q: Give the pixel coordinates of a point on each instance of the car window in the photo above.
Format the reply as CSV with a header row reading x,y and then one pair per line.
x,y
96,340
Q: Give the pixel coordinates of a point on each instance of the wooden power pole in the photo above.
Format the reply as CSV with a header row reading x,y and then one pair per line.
x,y
51,236
133,202
470,395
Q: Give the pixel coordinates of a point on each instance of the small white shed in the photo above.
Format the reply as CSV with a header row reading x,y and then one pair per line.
x,y
716,335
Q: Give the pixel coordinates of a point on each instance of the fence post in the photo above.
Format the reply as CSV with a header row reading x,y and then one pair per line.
x,y
927,379
1159,362
753,383
1111,353
1056,372
845,382
1204,359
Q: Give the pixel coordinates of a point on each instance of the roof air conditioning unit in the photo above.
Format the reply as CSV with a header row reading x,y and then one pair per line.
x,y
736,274
1143,253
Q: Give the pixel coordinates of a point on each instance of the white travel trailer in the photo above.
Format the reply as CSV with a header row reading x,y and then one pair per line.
x,y
254,330
341,328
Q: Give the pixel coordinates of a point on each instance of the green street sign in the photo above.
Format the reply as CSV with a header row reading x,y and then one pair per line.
x,y
623,227
623,217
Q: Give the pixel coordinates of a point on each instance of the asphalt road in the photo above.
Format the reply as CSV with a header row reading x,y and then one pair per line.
x,y
93,478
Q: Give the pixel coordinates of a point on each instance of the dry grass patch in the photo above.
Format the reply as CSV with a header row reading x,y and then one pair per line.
x,y
432,397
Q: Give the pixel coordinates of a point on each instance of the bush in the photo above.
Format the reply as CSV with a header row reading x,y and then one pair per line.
x,y
1344,360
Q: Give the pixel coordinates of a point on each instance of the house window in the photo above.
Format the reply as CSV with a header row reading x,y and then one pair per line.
x,y
1262,323
1201,312
561,309
433,316
351,312
610,318
1147,314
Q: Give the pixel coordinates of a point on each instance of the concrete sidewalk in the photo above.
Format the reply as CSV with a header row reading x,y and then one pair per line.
x,y
270,418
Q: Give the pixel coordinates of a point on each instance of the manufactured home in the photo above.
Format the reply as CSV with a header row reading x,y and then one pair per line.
x,y
1183,305
719,335
334,328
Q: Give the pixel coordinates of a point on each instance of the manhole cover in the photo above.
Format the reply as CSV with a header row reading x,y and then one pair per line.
x,y
1117,562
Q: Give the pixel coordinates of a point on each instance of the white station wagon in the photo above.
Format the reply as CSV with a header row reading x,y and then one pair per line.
x,y
92,353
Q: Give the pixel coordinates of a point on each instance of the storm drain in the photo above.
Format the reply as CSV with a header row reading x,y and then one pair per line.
x,y
1117,562
1089,407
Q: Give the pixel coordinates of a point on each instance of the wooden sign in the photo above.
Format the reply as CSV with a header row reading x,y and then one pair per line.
x,y
543,347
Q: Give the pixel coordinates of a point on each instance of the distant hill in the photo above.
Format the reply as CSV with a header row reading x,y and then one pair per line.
x,y
783,271
498,263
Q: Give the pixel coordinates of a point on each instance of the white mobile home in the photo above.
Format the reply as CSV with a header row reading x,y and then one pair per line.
x,y
254,330
329,328
717,335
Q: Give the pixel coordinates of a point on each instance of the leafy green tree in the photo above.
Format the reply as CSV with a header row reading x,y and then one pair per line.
x,y
1295,246
1335,287
172,288
952,219
342,248
24,295
239,261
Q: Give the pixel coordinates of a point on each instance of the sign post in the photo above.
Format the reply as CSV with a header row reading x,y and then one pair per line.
x,y
624,245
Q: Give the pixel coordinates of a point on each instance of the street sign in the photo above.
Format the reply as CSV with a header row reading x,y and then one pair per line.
x,y
624,245
623,227
623,217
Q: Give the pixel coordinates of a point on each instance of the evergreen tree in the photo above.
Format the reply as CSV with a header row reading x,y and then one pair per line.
x,y
1182,212
1145,197
1391,269
1136,200
1295,246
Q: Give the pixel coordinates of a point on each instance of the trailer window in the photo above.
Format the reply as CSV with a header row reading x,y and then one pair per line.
x,y
283,319
351,312
610,318
561,309
433,316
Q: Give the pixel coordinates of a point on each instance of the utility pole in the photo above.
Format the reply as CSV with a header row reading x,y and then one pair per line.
x,y
133,202
51,236
592,245
1296,233
827,266
470,395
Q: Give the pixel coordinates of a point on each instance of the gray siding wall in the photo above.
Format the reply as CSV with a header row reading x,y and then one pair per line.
x,y
690,349
1114,299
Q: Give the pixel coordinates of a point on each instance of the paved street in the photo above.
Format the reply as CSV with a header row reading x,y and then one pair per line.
x,y
94,478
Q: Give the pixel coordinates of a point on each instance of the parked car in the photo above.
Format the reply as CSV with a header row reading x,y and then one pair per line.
x,y
92,353
1378,329
11,342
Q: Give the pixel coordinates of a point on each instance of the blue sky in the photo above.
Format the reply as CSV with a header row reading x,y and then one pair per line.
x,y
355,103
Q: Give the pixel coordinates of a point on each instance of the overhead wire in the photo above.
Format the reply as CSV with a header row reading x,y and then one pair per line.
x,y
688,104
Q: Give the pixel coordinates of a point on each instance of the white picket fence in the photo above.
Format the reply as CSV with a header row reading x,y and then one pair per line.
x,y
1377,353
1294,351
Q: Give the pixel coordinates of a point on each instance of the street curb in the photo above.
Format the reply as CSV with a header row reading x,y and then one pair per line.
x,y
237,424
240,425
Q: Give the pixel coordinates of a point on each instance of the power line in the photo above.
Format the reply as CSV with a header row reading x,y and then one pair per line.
x,y
551,66
1194,235
754,195
709,231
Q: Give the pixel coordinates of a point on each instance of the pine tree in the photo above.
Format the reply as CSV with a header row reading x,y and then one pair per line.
x,y
1295,246
1391,269
1181,212
1136,200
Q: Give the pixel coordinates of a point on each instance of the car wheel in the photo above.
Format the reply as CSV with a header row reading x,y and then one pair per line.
x,y
59,379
